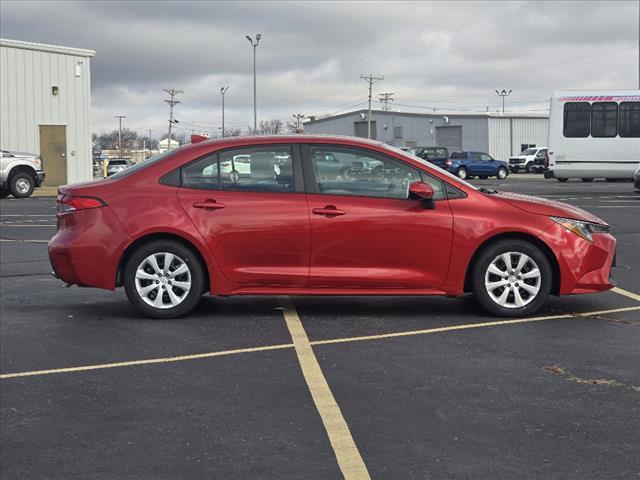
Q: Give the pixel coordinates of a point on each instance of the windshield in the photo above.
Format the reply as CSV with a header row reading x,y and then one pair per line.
x,y
429,165
529,151
144,164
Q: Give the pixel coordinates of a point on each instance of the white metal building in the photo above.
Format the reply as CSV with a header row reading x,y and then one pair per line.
x,y
499,135
45,106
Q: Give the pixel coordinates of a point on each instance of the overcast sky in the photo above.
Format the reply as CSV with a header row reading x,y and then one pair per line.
x,y
448,55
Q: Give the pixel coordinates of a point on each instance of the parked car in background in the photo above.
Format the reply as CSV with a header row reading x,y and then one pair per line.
x,y
172,228
20,173
636,180
526,160
541,162
480,164
116,165
235,167
439,156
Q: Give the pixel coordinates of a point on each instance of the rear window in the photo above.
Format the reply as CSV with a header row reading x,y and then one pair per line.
x,y
459,155
629,119
144,164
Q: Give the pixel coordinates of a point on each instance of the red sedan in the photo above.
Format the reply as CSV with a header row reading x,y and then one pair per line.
x,y
305,215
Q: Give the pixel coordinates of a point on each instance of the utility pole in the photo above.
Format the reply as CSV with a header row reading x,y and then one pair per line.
x,y
298,117
385,98
223,90
172,102
370,79
255,108
149,142
503,94
120,117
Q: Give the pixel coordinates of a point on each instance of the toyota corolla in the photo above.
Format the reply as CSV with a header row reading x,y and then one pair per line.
x,y
176,226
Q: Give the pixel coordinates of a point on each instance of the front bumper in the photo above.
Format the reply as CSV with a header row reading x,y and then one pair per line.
x,y
39,178
585,267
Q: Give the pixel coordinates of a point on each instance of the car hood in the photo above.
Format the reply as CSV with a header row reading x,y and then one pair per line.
x,y
542,206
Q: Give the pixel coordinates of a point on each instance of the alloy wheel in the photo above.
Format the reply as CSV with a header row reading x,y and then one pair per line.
x,y
163,280
512,279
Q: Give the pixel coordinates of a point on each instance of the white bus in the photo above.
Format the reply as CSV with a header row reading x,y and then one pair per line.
x,y
594,134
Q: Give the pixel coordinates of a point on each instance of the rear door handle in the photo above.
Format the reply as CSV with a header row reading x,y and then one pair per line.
x,y
208,205
329,210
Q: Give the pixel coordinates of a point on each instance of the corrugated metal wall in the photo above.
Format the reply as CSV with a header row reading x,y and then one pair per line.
x,y
502,144
26,101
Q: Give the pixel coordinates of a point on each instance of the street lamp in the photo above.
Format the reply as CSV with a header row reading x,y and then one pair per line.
x,y
255,110
223,90
503,94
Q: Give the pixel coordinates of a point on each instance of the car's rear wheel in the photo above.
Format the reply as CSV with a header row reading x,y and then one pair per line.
x,y
562,180
502,173
22,185
512,278
587,179
528,168
462,173
164,279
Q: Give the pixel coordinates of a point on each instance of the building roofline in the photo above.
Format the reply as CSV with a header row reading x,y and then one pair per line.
x,y
43,47
442,113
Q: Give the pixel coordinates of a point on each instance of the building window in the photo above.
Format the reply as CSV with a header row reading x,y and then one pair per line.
x,y
604,119
576,119
397,132
629,119
526,146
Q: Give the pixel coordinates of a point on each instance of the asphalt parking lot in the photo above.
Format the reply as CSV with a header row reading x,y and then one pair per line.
x,y
318,388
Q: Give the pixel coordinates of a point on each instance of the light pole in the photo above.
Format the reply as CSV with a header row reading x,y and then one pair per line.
x,y
503,94
223,90
298,117
120,117
255,109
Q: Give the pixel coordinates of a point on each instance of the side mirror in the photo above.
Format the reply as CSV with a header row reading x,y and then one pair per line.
x,y
421,190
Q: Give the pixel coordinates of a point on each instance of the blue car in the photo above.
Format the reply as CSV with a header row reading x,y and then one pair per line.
x,y
472,164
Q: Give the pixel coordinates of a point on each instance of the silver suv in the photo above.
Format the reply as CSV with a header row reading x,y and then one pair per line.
x,y
20,173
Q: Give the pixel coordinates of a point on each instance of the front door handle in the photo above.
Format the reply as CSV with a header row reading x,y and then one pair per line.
x,y
329,210
208,205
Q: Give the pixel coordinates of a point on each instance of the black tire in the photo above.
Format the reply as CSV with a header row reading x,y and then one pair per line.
x,y
502,173
587,180
611,180
185,254
528,168
4,192
516,246
562,180
483,177
462,173
22,185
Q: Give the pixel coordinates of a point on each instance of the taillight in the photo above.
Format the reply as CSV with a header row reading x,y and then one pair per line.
x,y
69,203
448,162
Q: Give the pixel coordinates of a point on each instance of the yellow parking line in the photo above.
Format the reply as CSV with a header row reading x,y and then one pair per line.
x,y
149,361
315,342
349,459
626,293
469,326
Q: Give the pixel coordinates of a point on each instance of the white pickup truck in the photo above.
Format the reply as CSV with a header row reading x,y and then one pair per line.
x,y
20,173
527,160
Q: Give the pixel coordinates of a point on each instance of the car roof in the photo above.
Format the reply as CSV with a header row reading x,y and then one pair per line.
x,y
275,139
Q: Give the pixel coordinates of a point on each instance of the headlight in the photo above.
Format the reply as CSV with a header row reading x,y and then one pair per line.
x,y
38,163
581,228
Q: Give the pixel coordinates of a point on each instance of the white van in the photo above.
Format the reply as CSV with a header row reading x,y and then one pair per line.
x,y
594,134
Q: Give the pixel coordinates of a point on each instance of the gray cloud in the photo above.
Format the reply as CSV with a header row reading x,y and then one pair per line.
x,y
445,54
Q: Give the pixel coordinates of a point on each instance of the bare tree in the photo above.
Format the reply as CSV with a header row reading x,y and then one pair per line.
x,y
232,132
270,127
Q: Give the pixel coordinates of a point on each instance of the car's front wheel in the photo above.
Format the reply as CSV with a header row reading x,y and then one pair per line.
x,y
512,278
164,279
502,173
22,185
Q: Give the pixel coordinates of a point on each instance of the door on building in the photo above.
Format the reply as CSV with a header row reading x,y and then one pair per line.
x,y
449,137
53,149
362,130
